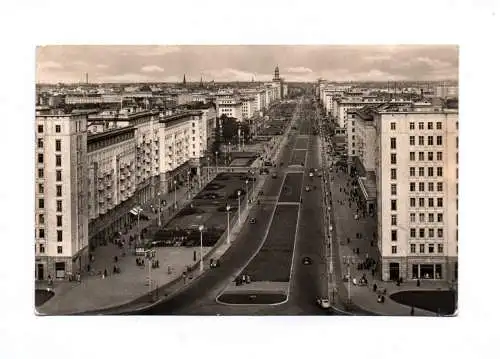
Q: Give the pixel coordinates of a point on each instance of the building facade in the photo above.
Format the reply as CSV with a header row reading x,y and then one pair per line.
x,y
417,193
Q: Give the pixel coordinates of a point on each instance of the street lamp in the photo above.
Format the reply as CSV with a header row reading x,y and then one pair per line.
x,y
239,211
216,161
189,184
159,209
175,194
228,208
201,247
246,194
139,210
253,186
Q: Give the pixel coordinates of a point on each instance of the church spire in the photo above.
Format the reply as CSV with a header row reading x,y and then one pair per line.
x,y
276,73
184,80
201,81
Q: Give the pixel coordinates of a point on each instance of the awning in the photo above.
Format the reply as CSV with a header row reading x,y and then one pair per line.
x,y
135,211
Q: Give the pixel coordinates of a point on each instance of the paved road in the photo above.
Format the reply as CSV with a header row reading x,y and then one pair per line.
x,y
307,282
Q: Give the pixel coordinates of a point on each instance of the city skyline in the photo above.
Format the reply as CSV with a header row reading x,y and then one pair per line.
x,y
244,63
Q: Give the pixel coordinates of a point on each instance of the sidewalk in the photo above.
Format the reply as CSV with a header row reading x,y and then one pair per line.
x,y
95,292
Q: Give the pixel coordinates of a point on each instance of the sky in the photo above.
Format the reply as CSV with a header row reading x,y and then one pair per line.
x,y
68,64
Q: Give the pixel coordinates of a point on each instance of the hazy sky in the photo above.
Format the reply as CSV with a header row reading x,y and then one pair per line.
x,y
241,63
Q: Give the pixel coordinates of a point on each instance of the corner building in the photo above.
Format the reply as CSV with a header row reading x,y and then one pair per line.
x,y
417,193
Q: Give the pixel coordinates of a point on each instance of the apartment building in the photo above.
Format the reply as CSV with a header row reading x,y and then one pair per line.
x,y
247,107
417,192
61,221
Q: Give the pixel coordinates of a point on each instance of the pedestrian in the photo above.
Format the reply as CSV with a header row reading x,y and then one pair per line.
x,y
375,287
412,311
88,267
373,273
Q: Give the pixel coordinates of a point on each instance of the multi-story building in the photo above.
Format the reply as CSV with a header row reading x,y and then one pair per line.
x,y
247,107
417,192
231,107
61,221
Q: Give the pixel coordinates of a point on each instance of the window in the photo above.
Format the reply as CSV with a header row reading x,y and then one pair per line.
x,y
440,232
40,128
439,140
59,249
430,141
431,232
41,219
440,202
456,142
59,220
40,173
421,156
430,202
412,202
412,140
431,248
413,248
413,232
421,187
40,143
394,249
439,171
58,190
440,248
439,125
40,188
412,125
393,189
394,235
412,186
420,125
58,145
422,248
393,158
41,233
430,186
393,174
58,160
41,203
430,171
456,158
421,171
40,158
429,125
431,217
394,220
421,232
439,156
394,206
421,140
440,186
412,171
440,217
430,156
412,156
59,206
42,248
58,175
393,143
393,126
58,128
59,235
421,202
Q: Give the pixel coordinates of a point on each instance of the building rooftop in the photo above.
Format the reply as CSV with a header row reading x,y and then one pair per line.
x,y
92,138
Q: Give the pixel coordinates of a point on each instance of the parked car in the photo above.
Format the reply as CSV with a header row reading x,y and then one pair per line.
x,y
274,175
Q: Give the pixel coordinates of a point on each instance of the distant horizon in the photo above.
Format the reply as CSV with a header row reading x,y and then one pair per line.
x,y
238,63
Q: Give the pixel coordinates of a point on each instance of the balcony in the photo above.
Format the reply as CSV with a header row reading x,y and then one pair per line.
x,y
122,165
122,176
109,195
100,187
101,200
108,184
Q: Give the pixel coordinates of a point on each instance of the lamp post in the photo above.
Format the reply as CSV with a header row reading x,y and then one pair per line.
x,y
216,162
189,184
139,210
159,209
246,194
175,194
201,247
239,211
253,186
228,208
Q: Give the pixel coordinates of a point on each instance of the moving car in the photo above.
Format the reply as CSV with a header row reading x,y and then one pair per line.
x,y
253,220
323,303
306,261
308,188
274,175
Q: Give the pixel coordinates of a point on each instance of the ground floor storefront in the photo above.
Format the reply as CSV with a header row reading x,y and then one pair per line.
x,y
415,268
61,268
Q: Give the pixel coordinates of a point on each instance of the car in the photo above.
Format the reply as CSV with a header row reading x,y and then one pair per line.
x,y
308,188
306,261
323,303
274,175
253,220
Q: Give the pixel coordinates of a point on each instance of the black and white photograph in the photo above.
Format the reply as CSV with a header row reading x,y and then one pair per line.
x,y
247,180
